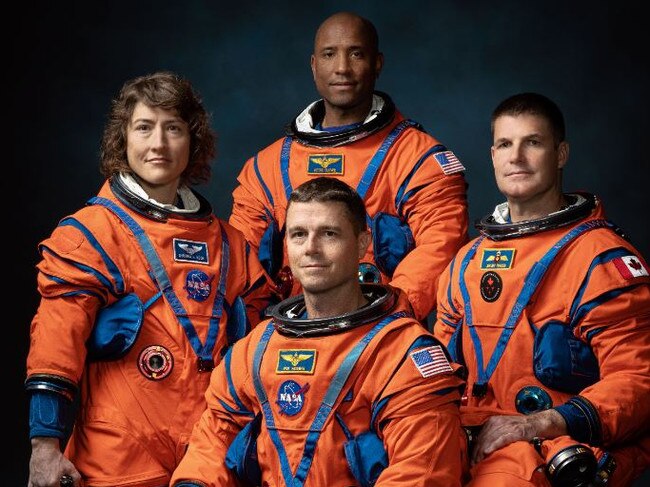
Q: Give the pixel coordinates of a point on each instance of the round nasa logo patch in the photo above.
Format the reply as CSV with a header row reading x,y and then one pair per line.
x,y
491,286
291,397
197,285
155,362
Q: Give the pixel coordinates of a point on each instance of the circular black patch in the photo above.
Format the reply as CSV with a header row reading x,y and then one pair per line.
x,y
491,286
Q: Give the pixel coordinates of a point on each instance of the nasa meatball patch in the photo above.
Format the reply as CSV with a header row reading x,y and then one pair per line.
x,y
291,397
198,285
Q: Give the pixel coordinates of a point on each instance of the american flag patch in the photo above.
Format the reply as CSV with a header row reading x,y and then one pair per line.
x,y
431,361
449,162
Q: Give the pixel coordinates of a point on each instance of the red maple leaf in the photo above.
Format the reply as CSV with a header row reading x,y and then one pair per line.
x,y
635,264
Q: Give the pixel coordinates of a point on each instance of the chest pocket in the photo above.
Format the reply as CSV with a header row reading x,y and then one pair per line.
x,y
116,327
561,361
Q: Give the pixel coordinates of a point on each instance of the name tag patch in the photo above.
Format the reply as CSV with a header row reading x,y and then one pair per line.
x,y
329,164
497,259
190,251
296,362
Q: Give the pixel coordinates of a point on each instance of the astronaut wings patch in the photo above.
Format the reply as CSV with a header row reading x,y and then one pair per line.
x,y
431,361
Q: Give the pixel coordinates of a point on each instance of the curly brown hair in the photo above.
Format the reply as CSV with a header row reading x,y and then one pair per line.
x,y
167,91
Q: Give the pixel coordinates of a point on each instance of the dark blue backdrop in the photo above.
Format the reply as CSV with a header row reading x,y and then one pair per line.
x,y
447,66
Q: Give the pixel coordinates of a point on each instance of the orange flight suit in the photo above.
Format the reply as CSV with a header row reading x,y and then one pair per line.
x,y
595,289
415,416
136,410
418,181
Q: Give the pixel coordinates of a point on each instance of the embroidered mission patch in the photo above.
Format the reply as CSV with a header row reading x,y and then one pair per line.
x,y
296,362
325,164
497,259
491,286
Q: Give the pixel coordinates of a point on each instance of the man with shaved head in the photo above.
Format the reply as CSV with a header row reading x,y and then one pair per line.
x,y
413,186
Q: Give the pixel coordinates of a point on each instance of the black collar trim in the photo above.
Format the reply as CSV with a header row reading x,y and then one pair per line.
x,y
334,139
574,212
153,212
382,300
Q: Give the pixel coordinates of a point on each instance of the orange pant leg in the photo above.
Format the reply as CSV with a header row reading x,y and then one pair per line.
x,y
515,465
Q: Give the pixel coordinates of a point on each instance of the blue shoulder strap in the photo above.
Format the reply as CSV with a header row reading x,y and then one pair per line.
x,y
379,157
203,351
325,409
401,196
531,282
267,192
284,166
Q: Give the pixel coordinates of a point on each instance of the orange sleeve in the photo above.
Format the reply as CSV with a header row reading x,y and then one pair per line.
x,y
421,430
420,425
425,452
256,286
618,330
437,215
250,206
58,335
74,283
449,313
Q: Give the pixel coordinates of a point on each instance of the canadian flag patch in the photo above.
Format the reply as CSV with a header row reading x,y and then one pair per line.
x,y
630,266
